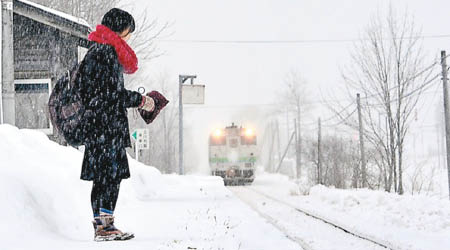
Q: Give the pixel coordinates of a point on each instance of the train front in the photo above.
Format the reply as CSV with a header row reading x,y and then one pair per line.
x,y
233,154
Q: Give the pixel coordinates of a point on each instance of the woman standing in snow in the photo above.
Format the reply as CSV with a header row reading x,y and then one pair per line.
x,y
103,93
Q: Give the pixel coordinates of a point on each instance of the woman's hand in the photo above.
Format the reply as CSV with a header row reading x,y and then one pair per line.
x,y
147,104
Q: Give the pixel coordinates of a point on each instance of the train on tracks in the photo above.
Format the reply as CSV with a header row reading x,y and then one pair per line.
x,y
233,154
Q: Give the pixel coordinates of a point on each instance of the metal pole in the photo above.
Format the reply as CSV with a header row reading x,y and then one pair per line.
x,y
137,151
446,111
180,125
361,143
181,80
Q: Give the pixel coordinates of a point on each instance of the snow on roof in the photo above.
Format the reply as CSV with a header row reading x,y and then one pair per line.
x,y
58,13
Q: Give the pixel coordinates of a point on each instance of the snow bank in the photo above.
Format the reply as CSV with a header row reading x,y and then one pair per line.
x,y
281,183
406,221
418,212
41,193
44,204
35,184
391,217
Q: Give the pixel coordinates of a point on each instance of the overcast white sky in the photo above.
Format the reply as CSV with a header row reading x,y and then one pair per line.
x,y
252,73
258,69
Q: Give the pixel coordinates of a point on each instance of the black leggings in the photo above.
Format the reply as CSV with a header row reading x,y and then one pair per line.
x,y
104,195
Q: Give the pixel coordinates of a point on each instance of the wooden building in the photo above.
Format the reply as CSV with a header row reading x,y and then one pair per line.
x,y
39,45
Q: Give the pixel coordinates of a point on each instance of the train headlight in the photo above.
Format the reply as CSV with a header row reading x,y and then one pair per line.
x,y
218,133
249,132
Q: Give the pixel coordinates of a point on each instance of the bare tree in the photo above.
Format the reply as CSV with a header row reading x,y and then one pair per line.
x,y
147,29
294,100
423,177
338,158
169,122
388,69
164,130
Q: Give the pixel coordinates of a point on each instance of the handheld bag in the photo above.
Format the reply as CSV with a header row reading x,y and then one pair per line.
x,y
66,109
160,103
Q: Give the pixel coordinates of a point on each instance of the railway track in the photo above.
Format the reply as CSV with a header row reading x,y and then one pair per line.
x,y
343,237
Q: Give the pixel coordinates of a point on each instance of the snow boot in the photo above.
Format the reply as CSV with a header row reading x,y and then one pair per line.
x,y
106,231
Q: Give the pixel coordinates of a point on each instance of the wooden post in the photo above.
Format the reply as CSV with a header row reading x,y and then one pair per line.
x,y
319,153
297,164
299,143
361,143
446,111
278,142
271,167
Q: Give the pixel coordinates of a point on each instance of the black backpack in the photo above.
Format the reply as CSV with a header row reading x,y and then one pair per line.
x,y
66,109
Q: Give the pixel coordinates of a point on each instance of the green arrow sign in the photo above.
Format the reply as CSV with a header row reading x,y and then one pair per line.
x,y
134,135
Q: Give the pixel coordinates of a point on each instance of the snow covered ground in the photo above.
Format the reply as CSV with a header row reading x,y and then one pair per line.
x,y
44,205
310,233
405,222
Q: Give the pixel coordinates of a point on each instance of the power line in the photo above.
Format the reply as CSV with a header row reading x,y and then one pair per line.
x,y
396,87
260,104
337,114
415,76
343,120
300,41
424,86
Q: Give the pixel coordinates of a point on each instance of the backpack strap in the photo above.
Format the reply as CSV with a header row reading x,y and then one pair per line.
x,y
72,76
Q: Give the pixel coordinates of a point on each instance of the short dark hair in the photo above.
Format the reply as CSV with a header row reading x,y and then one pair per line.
x,y
118,20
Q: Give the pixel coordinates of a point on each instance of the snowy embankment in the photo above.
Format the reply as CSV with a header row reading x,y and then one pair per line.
x,y
44,205
406,222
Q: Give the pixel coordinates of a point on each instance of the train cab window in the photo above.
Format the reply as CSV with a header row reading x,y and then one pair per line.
x,y
218,141
248,140
233,143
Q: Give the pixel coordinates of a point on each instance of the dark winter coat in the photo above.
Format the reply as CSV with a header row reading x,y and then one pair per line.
x,y
102,91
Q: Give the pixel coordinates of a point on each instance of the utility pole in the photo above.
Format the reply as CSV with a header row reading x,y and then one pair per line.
x,y
361,143
297,166
1,65
446,111
278,139
319,152
298,147
287,124
272,142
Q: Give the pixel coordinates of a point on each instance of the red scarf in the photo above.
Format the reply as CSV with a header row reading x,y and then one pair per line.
x,y
126,55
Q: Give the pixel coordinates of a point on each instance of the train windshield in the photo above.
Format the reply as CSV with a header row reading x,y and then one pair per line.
x,y
218,141
248,140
